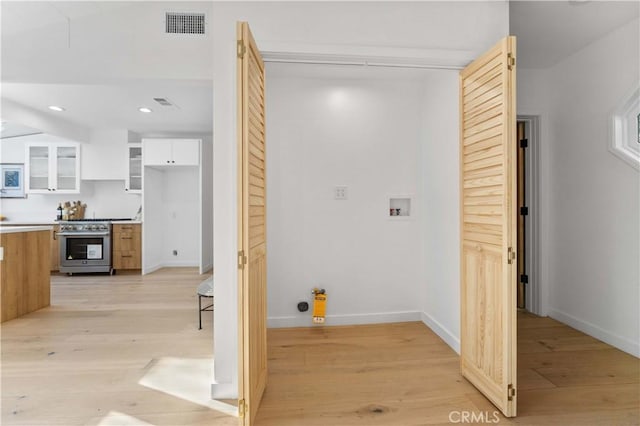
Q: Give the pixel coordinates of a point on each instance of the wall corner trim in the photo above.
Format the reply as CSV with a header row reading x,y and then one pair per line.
x,y
446,335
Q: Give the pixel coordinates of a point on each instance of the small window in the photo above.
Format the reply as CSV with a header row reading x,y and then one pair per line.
x,y
625,130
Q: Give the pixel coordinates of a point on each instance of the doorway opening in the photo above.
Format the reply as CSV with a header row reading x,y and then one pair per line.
x,y
528,275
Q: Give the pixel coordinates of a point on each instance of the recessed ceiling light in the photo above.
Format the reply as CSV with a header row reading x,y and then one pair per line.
x,y
56,108
145,109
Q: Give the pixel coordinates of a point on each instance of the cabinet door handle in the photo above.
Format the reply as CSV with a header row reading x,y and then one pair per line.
x,y
126,255
126,238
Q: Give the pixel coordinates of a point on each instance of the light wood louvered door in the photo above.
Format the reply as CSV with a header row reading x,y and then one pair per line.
x,y
252,235
488,228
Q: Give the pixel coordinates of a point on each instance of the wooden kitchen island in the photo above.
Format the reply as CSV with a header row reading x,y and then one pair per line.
x,y
25,281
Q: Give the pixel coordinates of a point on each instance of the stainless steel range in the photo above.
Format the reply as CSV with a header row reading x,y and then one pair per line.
x,y
85,246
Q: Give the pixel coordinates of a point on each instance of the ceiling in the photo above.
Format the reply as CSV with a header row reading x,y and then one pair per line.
x,y
116,106
12,130
101,60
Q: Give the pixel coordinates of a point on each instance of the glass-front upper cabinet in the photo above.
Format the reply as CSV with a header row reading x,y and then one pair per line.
x,y
134,174
53,167
66,168
39,169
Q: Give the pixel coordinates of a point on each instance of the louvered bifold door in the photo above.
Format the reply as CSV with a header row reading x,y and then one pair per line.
x,y
488,229
252,235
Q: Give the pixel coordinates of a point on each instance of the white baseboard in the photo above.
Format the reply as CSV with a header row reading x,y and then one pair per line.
x,y
155,267
206,268
304,320
180,263
151,269
593,330
224,390
446,335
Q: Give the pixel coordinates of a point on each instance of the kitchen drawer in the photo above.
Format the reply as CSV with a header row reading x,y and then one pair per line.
x,y
126,241
126,260
127,228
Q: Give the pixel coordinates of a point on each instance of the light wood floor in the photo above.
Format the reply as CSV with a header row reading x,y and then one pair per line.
x,y
126,350
108,351
403,374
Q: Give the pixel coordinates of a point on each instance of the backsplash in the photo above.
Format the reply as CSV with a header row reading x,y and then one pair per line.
x,y
103,198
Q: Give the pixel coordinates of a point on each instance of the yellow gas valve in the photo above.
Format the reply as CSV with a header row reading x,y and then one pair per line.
x,y
319,305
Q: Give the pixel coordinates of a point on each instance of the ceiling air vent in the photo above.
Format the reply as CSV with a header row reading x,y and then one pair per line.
x,y
163,101
185,23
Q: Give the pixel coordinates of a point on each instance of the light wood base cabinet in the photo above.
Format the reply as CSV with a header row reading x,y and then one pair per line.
x,y
25,281
127,246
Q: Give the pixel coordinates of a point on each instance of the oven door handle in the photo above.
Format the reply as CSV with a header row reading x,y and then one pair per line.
x,y
83,234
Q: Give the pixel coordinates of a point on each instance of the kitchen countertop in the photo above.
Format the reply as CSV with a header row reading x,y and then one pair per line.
x,y
12,229
28,222
52,222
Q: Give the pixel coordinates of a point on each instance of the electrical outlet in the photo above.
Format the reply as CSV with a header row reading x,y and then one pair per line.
x,y
340,192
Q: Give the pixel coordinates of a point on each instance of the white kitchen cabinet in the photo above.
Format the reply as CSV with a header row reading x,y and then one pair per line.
x,y
53,167
133,182
171,152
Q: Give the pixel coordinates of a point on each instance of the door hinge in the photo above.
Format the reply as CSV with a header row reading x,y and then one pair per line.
x,y
524,211
524,143
242,49
511,255
524,278
511,61
242,408
511,392
242,259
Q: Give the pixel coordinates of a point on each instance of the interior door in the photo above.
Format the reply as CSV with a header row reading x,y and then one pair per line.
x,y
252,236
488,221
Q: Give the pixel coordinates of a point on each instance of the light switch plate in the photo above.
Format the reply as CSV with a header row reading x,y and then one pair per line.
x,y
340,192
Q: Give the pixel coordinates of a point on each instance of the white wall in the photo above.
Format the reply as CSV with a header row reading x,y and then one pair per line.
x,y
104,199
180,215
594,227
153,220
362,132
589,197
440,192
